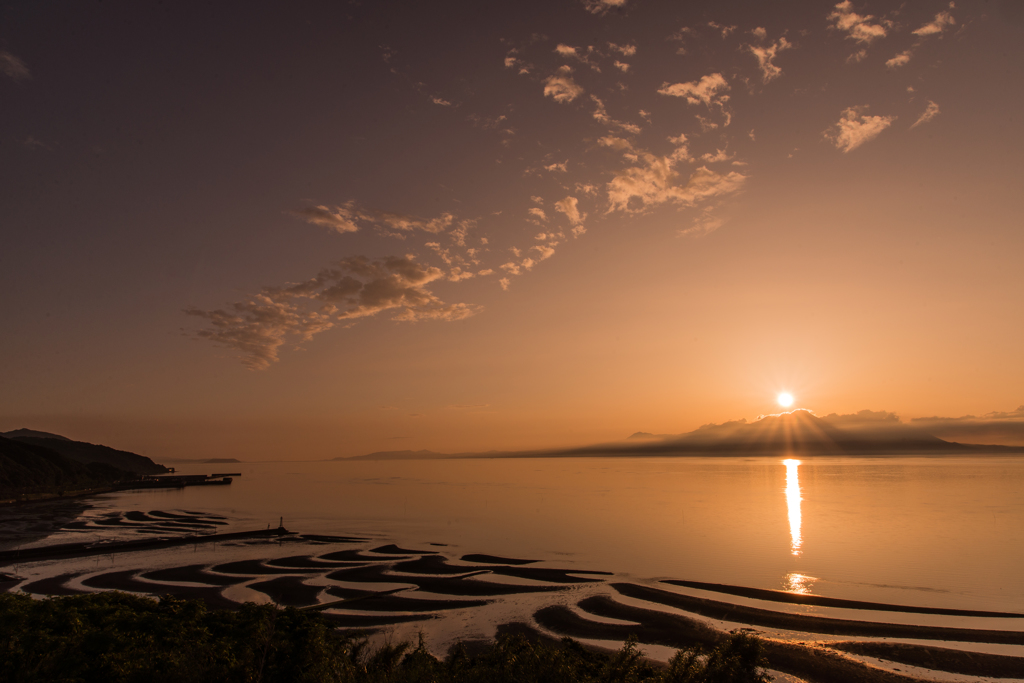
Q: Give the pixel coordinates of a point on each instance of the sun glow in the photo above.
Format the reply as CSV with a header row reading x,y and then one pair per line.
x,y
785,400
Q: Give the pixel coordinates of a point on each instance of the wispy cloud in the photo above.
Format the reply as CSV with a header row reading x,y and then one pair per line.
x,y
560,87
34,143
577,53
13,68
705,223
348,216
340,218
856,128
857,27
627,50
929,113
655,180
570,208
765,55
936,25
723,29
717,156
601,114
353,288
602,6
900,59
256,329
709,90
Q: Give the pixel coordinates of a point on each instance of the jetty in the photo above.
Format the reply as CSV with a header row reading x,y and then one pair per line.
x,y
177,481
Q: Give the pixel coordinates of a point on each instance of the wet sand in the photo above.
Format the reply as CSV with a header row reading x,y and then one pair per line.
x,y
814,624
822,601
660,628
32,521
289,591
940,658
355,588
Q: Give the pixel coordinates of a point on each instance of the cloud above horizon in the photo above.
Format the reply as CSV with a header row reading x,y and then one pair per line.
x,y
996,428
353,288
929,113
765,58
857,27
602,141
855,128
13,68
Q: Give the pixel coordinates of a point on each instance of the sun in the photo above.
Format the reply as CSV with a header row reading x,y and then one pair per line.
x,y
785,400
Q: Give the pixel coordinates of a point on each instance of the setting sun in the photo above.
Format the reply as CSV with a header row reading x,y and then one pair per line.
x,y
785,400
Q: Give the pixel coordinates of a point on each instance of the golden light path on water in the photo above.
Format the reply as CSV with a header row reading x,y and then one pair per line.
x,y
793,503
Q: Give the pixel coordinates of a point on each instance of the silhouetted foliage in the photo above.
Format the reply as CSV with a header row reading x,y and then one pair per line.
x,y
120,638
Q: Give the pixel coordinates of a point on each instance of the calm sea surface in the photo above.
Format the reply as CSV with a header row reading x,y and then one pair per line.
x,y
943,531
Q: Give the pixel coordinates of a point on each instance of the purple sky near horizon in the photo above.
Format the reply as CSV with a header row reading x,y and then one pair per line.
x,y
327,229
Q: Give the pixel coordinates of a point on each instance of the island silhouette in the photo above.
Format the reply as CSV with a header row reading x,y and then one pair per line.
x,y
797,432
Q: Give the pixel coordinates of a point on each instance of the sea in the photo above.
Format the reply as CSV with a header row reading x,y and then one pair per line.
x,y
927,531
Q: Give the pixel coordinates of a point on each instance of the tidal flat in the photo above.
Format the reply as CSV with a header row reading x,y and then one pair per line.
x,y
397,576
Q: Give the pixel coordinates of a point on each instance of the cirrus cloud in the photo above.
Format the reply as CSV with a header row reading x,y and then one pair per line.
x,y
929,113
709,90
560,87
765,55
348,216
353,288
13,68
936,25
655,181
855,128
857,27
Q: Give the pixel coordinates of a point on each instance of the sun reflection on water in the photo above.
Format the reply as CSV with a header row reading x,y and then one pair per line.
x,y
799,583
793,504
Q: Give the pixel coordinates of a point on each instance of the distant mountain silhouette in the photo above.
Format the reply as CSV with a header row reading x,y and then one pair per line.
x,y
799,432
83,452
399,455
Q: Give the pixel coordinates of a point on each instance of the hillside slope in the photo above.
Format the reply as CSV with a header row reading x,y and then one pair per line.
x,y
31,469
83,452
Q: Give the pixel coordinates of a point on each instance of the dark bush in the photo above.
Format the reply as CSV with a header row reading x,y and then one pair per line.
x,y
119,638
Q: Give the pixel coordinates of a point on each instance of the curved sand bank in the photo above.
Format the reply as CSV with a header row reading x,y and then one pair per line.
x,y
813,624
822,601
386,586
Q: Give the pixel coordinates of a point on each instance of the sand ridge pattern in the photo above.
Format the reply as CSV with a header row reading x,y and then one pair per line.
x,y
372,587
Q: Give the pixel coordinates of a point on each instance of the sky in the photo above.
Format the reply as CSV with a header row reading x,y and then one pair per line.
x,y
306,230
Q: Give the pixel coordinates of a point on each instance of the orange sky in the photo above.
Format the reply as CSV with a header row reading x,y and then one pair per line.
x,y
322,231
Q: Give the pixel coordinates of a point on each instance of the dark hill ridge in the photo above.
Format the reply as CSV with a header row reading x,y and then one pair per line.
x,y
30,469
83,452
33,433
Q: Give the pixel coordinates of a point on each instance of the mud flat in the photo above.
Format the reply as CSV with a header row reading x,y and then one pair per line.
x,y
362,585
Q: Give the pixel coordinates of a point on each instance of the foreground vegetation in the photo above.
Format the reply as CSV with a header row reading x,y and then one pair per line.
x,y
114,637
